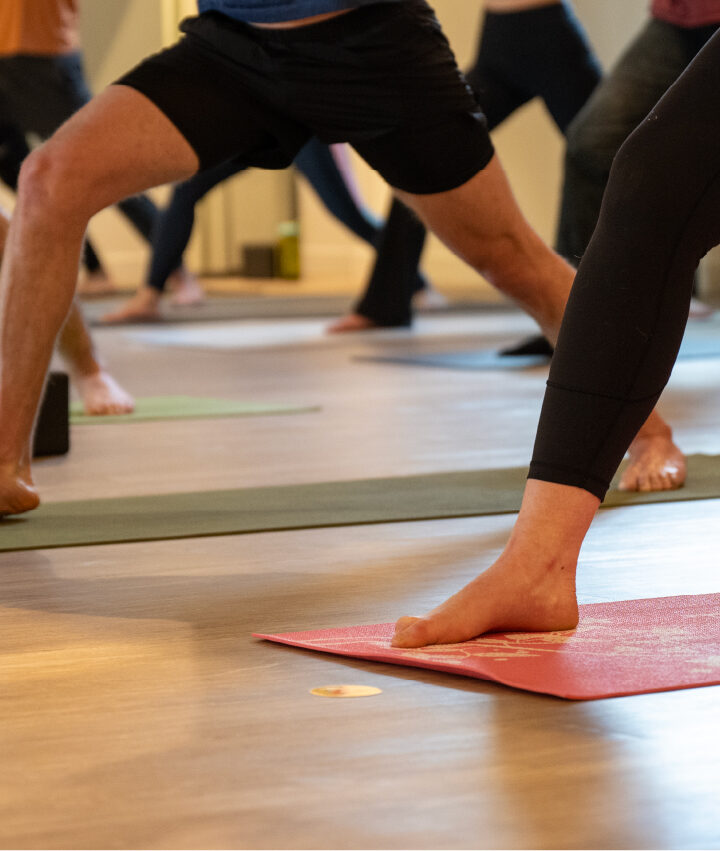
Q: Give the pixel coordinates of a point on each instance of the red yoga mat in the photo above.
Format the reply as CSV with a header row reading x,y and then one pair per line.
x,y
631,647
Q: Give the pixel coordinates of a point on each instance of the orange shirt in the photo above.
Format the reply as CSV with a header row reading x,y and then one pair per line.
x,y
38,27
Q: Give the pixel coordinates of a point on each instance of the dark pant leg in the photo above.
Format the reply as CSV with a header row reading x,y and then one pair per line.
x,y
13,147
652,63
540,52
567,74
395,277
626,315
316,162
175,224
142,214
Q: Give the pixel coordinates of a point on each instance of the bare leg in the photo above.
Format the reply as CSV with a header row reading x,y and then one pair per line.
x,y
116,146
143,306
100,393
481,222
530,587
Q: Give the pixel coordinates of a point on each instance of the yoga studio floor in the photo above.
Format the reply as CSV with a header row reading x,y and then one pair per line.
x,y
138,711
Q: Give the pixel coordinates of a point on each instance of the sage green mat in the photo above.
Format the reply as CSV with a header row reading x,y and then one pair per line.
x,y
231,512
185,408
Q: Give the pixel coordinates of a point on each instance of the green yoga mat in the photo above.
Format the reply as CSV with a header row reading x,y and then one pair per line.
x,y
232,512
185,408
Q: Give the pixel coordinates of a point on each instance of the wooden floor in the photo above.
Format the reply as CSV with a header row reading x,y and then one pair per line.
x,y
138,712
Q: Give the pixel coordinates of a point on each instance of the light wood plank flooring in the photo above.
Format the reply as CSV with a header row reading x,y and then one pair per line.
x,y
138,712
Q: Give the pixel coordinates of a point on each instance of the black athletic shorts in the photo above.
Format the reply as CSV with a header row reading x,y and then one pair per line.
x,y
381,77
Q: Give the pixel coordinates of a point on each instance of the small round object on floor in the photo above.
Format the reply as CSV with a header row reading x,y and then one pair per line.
x,y
345,691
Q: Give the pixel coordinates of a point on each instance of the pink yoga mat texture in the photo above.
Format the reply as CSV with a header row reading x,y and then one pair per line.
x,y
631,647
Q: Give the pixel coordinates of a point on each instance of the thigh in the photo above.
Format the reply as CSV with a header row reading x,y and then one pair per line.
x,y
211,102
118,145
474,217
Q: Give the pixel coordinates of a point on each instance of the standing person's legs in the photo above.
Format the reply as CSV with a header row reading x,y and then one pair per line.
x,y
395,277
620,336
116,146
515,46
170,239
653,61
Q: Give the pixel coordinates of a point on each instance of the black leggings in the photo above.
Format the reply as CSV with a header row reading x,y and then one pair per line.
x,y
627,311
315,161
539,52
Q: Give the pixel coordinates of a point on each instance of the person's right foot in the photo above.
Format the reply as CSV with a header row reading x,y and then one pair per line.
x,y
144,306
185,287
17,492
96,284
514,595
102,395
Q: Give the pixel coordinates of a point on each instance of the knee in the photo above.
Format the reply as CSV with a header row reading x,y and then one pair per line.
x,y
50,184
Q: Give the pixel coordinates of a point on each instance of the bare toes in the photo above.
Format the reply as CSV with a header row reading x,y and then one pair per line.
x,y
417,633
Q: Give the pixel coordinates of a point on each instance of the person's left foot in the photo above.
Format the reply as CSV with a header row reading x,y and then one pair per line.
x,y
656,464
102,395
351,322
536,345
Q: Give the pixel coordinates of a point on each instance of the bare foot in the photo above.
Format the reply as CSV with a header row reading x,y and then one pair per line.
x,y
351,322
96,284
185,287
656,464
144,306
17,492
429,298
700,310
514,595
102,395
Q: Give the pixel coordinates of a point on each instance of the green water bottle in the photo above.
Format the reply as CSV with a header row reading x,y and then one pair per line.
x,y
288,250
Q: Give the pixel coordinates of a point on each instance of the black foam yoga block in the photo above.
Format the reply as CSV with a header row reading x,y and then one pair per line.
x,y
52,432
